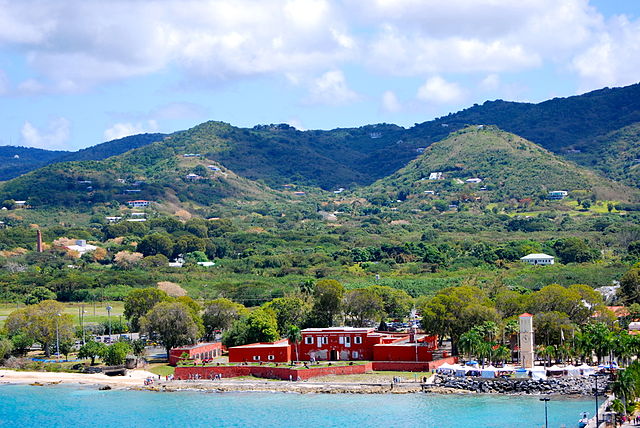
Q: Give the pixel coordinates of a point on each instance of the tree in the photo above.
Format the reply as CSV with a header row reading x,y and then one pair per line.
x,y
396,303
127,260
630,285
361,305
455,310
140,301
295,336
220,314
289,311
156,243
575,250
116,354
259,326
21,343
5,348
38,295
92,350
138,347
327,303
43,322
172,322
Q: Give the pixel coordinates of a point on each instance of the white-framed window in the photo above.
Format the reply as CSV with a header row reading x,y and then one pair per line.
x,y
355,354
341,340
325,340
357,340
308,340
256,358
271,358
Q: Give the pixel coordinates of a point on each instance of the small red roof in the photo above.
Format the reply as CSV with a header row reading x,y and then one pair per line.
x,y
526,315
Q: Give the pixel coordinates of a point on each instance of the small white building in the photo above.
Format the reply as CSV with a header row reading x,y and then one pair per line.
x,y
82,247
474,180
436,176
558,194
538,259
138,204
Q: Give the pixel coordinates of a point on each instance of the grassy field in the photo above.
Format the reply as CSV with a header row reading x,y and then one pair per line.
x,y
94,313
161,369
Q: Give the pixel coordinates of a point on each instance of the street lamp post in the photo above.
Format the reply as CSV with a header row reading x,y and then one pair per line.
x,y
57,336
82,324
109,318
546,419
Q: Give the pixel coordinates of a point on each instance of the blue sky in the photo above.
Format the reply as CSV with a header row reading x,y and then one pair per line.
x,y
74,73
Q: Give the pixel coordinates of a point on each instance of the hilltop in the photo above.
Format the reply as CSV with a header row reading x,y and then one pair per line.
x,y
486,163
160,172
350,157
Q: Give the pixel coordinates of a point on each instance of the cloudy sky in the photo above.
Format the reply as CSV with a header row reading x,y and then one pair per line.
x,y
74,73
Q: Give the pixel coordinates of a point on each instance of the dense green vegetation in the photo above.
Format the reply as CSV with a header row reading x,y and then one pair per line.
x,y
508,166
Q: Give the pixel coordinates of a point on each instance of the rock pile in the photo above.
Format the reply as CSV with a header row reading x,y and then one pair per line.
x,y
561,385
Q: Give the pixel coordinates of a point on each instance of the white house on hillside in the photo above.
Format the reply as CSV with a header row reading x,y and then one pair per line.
x,y
538,259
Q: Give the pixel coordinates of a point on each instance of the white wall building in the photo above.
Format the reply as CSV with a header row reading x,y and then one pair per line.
x,y
538,259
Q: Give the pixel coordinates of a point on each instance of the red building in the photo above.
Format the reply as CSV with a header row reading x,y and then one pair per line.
x,y
198,352
340,343
352,344
276,352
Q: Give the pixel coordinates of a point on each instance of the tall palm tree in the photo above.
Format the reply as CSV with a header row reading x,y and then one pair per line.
x,y
469,343
295,336
625,387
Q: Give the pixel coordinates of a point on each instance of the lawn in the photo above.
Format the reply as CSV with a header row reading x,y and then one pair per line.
x,y
95,313
161,369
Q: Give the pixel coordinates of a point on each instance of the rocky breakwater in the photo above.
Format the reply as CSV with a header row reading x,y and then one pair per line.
x,y
560,385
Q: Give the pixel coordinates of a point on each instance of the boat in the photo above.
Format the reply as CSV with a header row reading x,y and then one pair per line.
x,y
584,421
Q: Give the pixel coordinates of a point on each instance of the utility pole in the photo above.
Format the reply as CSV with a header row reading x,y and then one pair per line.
x,y
57,336
109,318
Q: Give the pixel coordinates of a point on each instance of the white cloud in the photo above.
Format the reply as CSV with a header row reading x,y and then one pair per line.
x,y
390,102
490,83
121,130
296,123
439,91
54,137
613,59
331,89
73,45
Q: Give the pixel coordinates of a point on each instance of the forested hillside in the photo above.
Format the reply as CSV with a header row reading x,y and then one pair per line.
x,y
485,163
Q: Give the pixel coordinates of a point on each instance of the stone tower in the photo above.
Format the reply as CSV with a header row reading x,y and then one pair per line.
x,y
39,247
526,340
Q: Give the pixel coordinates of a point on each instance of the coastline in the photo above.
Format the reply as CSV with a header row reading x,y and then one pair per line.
x,y
135,380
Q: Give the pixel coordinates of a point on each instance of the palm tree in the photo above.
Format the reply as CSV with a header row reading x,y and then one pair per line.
x,y
295,336
469,343
625,387
502,353
547,352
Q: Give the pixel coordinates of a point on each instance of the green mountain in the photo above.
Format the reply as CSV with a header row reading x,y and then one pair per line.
x,y
616,154
159,172
15,161
501,166
279,154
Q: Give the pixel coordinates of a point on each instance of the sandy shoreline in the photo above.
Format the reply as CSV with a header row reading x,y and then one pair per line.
x,y
135,380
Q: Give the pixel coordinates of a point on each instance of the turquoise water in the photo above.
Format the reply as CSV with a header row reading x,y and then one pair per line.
x,y
66,406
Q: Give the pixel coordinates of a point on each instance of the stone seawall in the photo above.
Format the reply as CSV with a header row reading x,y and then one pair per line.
x,y
560,385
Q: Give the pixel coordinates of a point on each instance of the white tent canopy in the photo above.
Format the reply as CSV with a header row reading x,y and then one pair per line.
x,y
489,372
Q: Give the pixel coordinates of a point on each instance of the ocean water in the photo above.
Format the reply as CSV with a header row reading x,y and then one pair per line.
x,y
69,406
